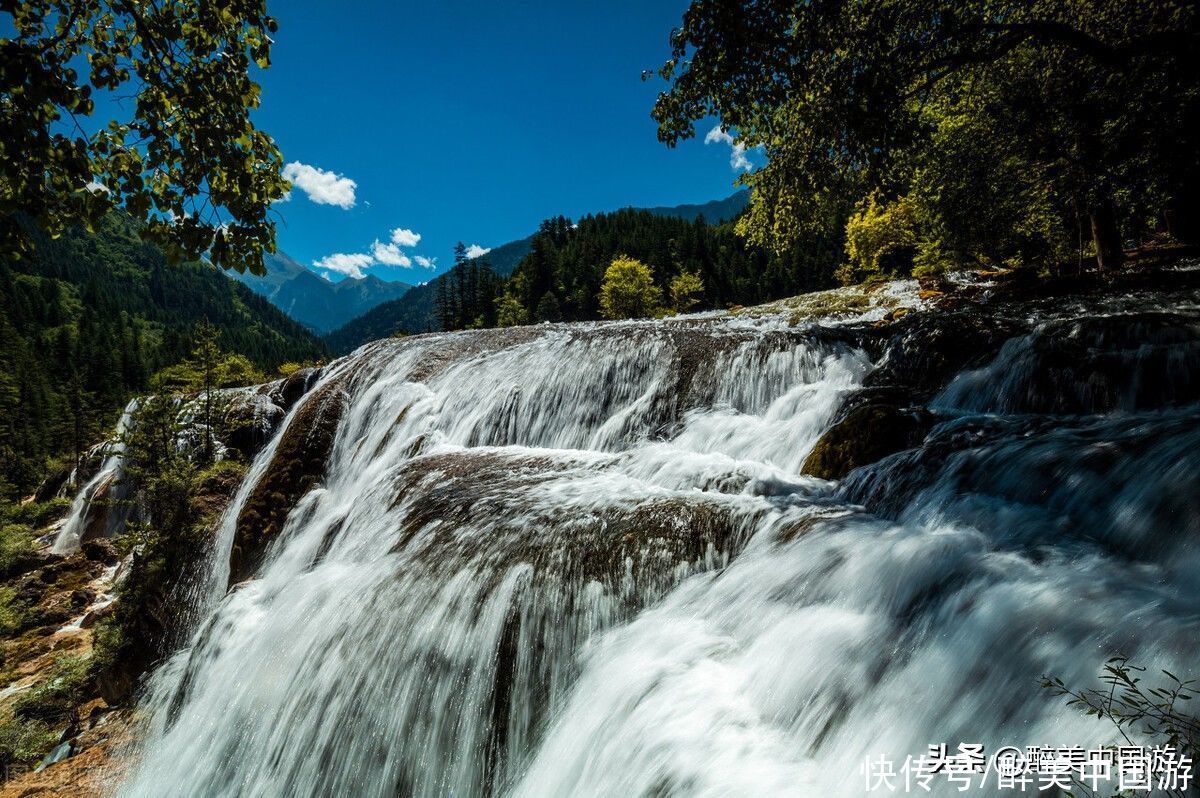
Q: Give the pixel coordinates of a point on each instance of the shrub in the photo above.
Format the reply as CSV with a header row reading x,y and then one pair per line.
x,y
881,240
628,290
1136,708
16,548
686,290
510,312
13,612
35,514
25,742
54,700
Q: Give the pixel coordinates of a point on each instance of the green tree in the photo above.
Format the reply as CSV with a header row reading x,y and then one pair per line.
x,y
548,308
510,312
686,290
205,360
1097,102
188,163
628,290
205,372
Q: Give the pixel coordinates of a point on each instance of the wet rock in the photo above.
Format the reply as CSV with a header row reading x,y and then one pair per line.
x,y
214,489
96,518
1021,476
94,616
455,500
99,753
250,421
101,550
925,350
1129,362
287,392
866,434
298,464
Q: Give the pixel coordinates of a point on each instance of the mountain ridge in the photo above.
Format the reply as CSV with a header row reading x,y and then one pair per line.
x,y
319,304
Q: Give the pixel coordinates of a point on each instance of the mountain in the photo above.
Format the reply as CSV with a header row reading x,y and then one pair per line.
x,y
314,301
88,318
412,313
713,212
504,258
416,311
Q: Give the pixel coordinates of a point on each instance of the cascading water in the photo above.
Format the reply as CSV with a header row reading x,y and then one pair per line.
x,y
581,561
106,485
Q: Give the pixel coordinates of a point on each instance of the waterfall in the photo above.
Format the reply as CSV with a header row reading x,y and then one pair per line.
x,y
581,560
104,486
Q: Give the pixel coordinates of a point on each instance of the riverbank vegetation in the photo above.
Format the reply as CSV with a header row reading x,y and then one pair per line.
x,y
951,133
89,319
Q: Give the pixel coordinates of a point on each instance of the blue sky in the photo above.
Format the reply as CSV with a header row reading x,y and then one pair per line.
x,y
468,121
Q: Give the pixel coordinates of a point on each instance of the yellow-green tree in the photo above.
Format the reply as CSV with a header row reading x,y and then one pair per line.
x,y
686,290
881,239
628,290
510,312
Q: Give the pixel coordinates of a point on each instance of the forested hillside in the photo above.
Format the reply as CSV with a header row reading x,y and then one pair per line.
x,y
559,279
88,319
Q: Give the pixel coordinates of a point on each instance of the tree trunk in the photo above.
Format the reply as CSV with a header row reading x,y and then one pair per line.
x,y
1106,235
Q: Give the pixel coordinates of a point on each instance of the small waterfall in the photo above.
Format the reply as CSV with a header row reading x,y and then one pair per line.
x,y
105,486
581,560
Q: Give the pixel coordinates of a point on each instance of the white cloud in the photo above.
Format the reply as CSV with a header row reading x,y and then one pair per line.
x,y
402,237
737,156
97,188
349,264
390,255
474,251
322,187
383,253
717,134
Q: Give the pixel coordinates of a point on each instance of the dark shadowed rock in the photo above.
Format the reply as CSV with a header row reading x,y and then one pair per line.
x,y
101,550
250,422
52,485
96,518
867,434
298,464
925,350
287,392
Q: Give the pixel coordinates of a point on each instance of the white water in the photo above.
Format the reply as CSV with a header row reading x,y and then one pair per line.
x,y
545,569
68,538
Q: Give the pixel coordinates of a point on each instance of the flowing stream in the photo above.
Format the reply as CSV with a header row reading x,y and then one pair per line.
x,y
581,560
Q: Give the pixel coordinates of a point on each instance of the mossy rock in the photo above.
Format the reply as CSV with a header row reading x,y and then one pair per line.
x,y
866,434
298,464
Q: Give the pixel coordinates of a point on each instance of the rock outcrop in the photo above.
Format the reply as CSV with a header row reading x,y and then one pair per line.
x,y
298,464
868,433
